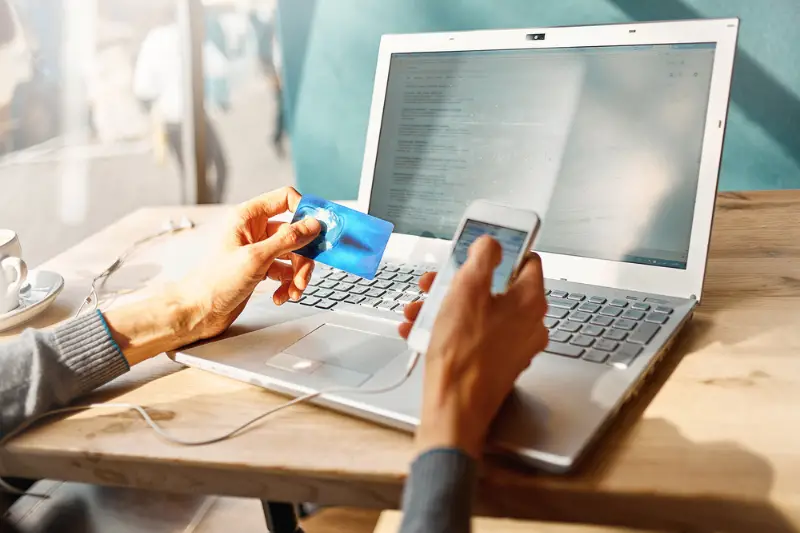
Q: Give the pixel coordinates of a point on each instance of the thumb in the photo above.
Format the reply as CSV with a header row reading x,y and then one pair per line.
x,y
483,257
288,238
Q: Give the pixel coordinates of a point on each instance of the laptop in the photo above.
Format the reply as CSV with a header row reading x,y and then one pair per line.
x,y
612,133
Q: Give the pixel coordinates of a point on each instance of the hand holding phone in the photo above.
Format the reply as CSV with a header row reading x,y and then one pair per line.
x,y
514,229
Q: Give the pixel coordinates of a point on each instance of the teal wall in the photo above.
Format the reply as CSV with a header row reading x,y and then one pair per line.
x,y
331,49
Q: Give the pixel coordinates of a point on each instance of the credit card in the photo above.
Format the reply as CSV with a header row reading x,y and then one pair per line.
x,y
350,240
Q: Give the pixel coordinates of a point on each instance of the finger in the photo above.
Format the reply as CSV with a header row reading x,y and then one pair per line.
x,y
411,312
280,271
404,329
272,203
426,281
281,295
483,256
303,268
528,288
288,238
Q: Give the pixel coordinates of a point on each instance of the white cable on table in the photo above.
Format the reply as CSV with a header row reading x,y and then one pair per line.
x,y
412,363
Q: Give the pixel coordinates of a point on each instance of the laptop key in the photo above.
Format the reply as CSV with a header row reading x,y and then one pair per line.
x,y
577,296
352,278
387,275
400,287
391,295
550,323
633,314
382,284
359,289
610,311
644,333
310,291
328,284
370,302
375,293
597,300
592,331
603,321
326,304
367,282
560,336
640,306
354,299
413,290
310,301
337,276
323,293
595,356
566,350
582,340
664,309
315,281
555,312
403,278
618,303
391,268
657,318
407,298
606,345
406,270
561,303
337,296
624,323
615,334
623,357
589,307
580,316
559,294
344,287
386,305
572,327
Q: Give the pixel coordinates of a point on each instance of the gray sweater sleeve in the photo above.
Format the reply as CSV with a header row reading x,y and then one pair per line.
x,y
439,491
42,370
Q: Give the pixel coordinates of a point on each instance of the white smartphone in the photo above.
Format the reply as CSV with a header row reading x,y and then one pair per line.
x,y
515,229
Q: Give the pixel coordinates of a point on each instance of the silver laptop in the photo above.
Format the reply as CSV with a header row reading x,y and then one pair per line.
x,y
612,133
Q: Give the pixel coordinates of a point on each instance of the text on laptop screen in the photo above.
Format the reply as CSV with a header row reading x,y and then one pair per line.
x,y
603,142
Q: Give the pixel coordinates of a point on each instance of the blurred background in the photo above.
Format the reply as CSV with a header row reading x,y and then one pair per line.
x,y
94,97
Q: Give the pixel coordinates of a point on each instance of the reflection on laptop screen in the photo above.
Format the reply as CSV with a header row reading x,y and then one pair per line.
x,y
603,142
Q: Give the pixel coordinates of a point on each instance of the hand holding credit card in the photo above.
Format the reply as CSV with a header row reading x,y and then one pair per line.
x,y
350,240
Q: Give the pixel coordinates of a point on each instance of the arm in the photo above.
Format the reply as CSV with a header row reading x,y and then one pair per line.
x,y
439,491
43,370
465,385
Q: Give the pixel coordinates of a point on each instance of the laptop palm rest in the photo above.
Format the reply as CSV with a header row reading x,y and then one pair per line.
x,y
338,356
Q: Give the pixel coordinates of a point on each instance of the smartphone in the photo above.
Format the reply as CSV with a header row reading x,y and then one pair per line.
x,y
514,229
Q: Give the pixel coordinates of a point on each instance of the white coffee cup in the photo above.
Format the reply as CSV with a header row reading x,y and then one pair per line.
x,y
13,270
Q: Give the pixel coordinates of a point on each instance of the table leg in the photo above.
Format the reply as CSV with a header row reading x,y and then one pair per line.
x,y
281,517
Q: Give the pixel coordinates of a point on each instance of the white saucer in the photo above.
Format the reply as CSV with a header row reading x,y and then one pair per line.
x,y
36,295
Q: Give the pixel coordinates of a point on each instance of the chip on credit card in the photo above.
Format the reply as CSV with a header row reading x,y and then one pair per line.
x,y
350,240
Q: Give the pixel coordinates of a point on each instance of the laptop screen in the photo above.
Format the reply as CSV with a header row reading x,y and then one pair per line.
x,y
603,142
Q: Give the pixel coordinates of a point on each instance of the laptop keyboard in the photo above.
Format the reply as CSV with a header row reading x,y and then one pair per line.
x,y
394,286
591,328
602,331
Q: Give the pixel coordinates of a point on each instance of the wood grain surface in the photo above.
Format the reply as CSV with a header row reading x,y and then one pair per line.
x,y
710,444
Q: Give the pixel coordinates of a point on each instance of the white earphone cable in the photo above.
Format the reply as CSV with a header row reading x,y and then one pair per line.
x,y
412,363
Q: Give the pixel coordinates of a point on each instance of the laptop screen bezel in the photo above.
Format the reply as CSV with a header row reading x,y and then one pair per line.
x,y
626,276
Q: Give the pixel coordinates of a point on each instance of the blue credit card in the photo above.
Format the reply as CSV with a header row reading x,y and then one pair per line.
x,y
350,240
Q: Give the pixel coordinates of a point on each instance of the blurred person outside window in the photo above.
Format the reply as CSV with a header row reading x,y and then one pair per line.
x,y
159,85
265,27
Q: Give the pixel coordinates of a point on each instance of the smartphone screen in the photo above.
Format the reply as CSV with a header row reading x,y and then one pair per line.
x,y
511,241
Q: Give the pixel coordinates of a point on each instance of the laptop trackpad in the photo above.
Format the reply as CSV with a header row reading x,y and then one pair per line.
x,y
340,355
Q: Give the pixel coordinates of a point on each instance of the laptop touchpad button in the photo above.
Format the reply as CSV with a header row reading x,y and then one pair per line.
x,y
350,349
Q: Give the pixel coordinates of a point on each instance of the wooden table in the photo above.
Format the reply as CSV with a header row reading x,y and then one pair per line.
x,y
711,444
